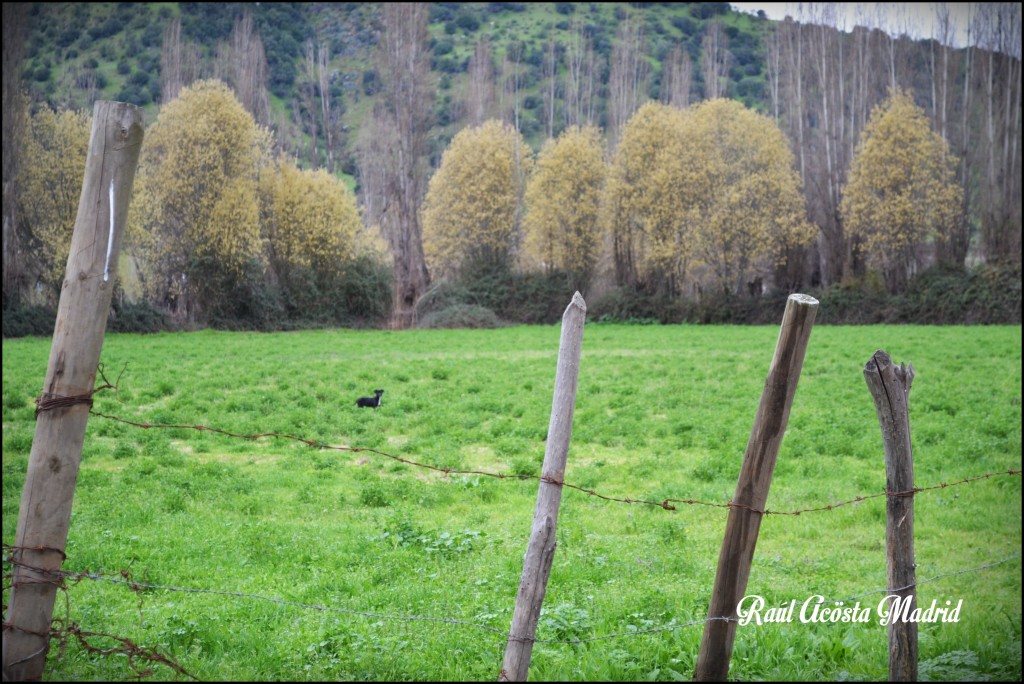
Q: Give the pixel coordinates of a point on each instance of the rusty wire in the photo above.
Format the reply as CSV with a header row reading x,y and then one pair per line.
x,y
124,578
666,504
48,401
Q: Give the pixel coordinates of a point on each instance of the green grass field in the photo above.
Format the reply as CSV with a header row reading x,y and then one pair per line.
x,y
662,412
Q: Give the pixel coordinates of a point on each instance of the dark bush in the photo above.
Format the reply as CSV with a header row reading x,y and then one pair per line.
x,y
943,295
750,87
526,298
495,7
685,25
371,84
441,12
940,296
443,47
23,320
467,21
460,316
136,317
707,10
365,292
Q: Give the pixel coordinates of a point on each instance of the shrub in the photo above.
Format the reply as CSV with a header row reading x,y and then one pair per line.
x,y
461,316
22,320
373,495
467,21
136,317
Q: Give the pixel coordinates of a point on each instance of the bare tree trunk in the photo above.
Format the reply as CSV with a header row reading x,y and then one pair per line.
x,y
394,153
249,69
677,78
513,79
773,67
551,76
480,99
15,127
171,67
575,75
308,91
324,81
715,61
627,79
954,249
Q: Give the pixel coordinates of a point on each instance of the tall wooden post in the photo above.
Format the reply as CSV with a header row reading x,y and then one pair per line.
x,y
741,530
63,408
889,385
540,551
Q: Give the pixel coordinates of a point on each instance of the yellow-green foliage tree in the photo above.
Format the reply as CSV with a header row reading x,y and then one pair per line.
x,y
310,221
706,194
741,193
902,189
563,198
195,213
643,210
50,187
472,208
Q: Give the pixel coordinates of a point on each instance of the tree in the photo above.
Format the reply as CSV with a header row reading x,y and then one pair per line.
x,y
714,60
562,200
902,189
49,191
480,90
580,76
642,210
627,79
179,61
394,149
194,219
741,193
310,221
676,78
246,69
472,207
706,194
15,120
998,27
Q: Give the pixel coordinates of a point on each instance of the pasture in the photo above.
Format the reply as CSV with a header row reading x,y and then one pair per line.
x,y
355,549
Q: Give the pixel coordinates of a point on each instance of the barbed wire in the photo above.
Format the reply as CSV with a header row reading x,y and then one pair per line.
x,y
666,504
124,578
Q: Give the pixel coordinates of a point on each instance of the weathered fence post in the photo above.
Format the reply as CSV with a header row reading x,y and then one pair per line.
x,y
540,551
890,388
741,530
62,410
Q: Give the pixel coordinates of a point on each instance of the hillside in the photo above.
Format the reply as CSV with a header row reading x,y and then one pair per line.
x,y
309,73
79,52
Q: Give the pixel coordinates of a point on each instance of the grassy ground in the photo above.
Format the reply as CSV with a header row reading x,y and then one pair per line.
x,y
662,412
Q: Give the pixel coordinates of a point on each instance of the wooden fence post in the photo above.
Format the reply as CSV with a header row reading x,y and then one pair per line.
x,y
741,530
62,410
540,551
890,388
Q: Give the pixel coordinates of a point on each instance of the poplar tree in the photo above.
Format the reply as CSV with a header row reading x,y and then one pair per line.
x,y
195,214
561,227
709,195
902,191
49,191
310,221
472,208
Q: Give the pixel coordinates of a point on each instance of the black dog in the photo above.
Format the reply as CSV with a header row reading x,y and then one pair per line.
x,y
373,401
